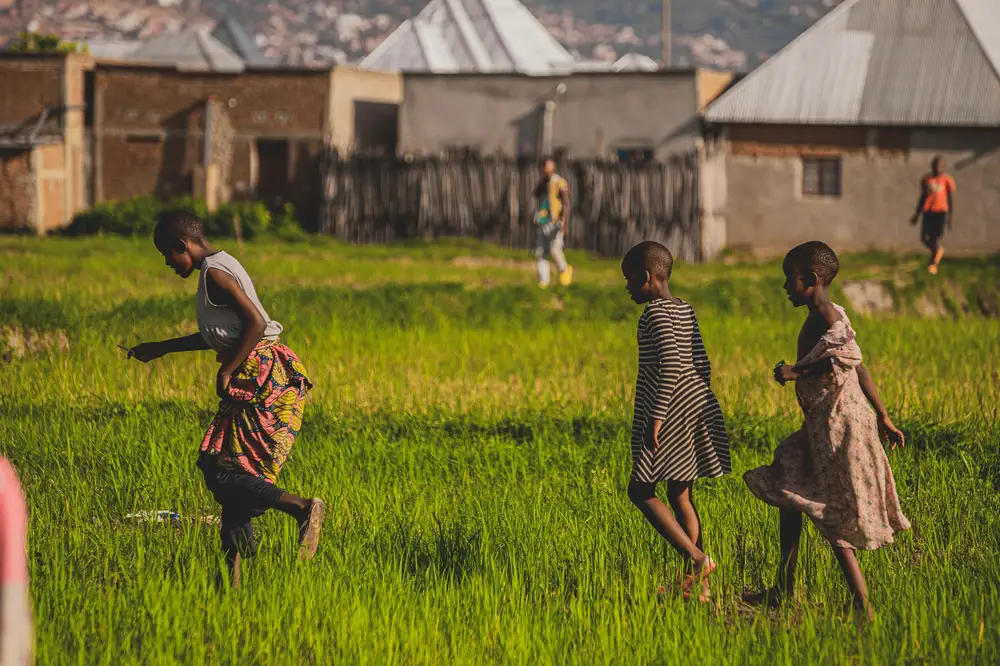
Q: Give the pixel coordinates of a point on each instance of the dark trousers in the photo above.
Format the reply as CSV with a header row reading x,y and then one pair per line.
x,y
242,497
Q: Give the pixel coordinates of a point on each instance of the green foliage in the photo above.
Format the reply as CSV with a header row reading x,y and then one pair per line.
x,y
34,42
137,217
470,435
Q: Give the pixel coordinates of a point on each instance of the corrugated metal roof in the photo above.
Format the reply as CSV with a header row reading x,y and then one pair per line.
x,y
470,36
235,38
191,50
112,49
880,62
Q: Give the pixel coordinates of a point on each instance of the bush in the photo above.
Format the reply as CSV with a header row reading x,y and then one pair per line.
x,y
137,217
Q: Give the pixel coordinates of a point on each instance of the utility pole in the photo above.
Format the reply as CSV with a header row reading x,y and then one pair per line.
x,y
665,34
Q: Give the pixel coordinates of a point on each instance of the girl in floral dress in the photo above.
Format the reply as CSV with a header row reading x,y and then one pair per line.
x,y
261,384
834,469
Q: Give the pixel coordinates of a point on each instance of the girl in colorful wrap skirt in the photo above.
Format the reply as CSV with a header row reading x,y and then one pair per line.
x,y
261,384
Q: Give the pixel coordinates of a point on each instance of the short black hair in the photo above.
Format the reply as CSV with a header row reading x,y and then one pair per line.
x,y
813,257
175,225
651,256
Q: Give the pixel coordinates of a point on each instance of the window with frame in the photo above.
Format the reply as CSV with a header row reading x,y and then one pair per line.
x,y
821,176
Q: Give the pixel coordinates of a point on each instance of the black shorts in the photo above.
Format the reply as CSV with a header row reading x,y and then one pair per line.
x,y
934,224
242,496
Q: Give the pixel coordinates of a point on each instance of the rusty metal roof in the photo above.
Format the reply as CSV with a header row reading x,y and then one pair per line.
x,y
880,62
450,36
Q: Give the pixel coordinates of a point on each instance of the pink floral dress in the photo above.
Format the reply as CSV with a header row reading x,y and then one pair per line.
x,y
834,468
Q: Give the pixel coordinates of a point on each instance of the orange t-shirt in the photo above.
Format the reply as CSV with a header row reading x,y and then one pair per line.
x,y
937,189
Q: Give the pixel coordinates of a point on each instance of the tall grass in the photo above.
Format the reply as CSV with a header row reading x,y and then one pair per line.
x,y
470,435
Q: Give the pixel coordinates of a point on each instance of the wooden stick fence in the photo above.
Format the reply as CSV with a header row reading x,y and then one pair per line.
x,y
376,199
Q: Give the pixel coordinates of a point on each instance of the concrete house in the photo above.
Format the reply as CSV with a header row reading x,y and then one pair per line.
x,y
830,137
629,115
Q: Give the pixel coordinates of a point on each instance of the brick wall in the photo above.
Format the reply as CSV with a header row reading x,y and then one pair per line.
x,y
38,82
17,190
149,129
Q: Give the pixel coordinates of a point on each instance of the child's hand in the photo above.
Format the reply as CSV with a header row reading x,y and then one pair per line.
x,y
147,351
222,384
785,373
888,432
653,435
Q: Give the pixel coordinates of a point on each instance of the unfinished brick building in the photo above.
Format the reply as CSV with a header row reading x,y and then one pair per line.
x,y
42,140
80,131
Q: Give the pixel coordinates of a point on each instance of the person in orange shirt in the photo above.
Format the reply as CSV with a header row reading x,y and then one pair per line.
x,y
936,204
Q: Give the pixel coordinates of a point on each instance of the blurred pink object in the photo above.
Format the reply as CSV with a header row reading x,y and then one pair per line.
x,y
16,634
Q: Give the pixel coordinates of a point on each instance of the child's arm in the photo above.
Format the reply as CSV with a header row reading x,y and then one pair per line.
x,y
786,373
149,351
222,287
886,429
700,357
793,373
920,202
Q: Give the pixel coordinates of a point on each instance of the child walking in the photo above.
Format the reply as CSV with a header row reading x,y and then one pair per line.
x,y
678,433
261,384
833,469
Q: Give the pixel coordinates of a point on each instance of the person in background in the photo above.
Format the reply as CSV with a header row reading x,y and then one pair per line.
x,y
936,204
16,633
552,192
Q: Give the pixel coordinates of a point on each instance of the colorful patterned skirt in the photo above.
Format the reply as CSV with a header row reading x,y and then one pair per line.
x,y
255,427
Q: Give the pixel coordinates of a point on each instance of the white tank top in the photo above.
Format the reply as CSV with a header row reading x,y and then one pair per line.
x,y
220,325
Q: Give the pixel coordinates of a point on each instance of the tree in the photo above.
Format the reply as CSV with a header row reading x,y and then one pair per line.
x,y
33,42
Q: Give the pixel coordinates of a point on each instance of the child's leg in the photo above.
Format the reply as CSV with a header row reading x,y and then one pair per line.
x,y
855,579
679,495
308,513
784,588
541,262
556,250
643,495
791,534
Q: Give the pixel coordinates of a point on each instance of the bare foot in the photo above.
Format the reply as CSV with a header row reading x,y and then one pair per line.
x,y
772,597
702,570
860,611
309,528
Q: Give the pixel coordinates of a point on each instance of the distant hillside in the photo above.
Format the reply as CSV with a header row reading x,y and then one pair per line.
x,y
729,34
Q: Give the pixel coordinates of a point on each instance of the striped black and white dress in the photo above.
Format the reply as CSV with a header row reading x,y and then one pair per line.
x,y
674,385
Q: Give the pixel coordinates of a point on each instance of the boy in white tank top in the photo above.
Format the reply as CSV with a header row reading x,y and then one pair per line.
x,y
262,387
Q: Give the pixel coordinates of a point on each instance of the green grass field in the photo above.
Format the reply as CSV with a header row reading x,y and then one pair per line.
x,y
470,436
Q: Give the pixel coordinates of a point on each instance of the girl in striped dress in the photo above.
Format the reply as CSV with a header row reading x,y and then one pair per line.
x,y
678,433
